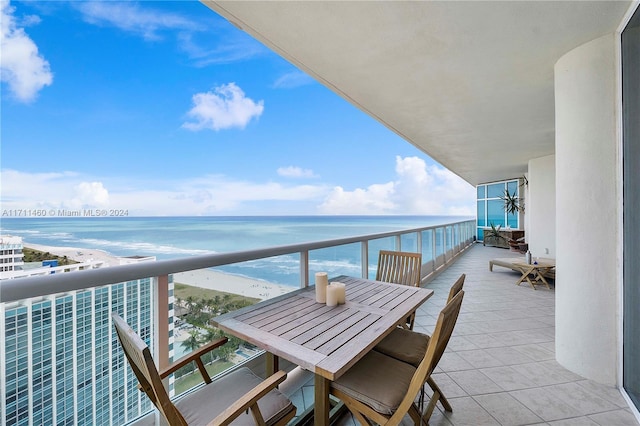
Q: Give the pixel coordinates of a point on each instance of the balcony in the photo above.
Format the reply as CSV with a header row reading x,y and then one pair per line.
x,y
499,368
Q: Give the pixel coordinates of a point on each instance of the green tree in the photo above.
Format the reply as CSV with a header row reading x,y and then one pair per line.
x,y
224,352
190,300
184,370
210,335
192,342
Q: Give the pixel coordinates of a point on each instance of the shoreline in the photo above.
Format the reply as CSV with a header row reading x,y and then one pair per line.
x,y
229,283
77,254
203,278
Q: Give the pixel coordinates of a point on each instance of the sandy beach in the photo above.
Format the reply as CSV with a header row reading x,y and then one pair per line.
x,y
78,254
228,283
203,278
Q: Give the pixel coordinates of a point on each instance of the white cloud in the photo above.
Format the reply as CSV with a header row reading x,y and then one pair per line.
x,y
292,80
375,199
418,189
58,190
206,195
29,20
223,108
193,37
230,47
295,172
130,17
22,67
90,194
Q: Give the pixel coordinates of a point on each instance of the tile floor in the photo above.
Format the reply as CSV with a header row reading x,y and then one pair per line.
x,y
499,367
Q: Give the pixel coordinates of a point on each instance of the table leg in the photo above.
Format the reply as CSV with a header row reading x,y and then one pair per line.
x,y
272,364
321,403
525,276
542,278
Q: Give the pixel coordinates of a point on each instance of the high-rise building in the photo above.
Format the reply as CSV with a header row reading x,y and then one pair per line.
x,y
61,363
10,255
12,263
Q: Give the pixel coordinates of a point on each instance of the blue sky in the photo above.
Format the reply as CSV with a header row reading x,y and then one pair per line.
x,y
164,108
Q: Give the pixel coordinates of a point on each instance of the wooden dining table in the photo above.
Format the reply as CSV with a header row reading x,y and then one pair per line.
x,y
324,340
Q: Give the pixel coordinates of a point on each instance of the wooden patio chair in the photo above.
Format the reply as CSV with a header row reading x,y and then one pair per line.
x,y
382,389
227,400
410,346
400,267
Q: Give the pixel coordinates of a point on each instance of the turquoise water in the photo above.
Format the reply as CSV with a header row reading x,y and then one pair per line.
x,y
174,237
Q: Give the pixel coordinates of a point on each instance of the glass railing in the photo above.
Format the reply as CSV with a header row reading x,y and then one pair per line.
x,y
60,361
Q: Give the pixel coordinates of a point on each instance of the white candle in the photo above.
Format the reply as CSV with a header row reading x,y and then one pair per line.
x,y
342,291
332,295
321,287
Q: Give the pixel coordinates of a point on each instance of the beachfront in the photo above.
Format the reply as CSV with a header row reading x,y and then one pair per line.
x,y
204,278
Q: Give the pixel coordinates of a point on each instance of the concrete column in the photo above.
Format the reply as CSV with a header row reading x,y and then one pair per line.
x,y
587,212
540,206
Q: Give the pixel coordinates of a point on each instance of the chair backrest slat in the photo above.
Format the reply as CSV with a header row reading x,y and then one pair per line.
x,y
456,287
141,362
399,267
437,345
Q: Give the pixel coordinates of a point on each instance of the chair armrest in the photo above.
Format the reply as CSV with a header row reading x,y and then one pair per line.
x,y
193,356
249,399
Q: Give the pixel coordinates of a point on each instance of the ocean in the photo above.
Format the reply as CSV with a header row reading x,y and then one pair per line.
x,y
174,237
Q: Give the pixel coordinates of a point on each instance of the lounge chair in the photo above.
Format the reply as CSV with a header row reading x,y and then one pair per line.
x,y
507,262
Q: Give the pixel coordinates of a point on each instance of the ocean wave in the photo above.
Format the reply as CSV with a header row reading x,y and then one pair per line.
x,y
142,247
22,231
290,265
112,247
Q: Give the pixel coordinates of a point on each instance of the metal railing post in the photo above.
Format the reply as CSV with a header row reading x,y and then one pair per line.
x,y
434,254
364,263
162,321
304,268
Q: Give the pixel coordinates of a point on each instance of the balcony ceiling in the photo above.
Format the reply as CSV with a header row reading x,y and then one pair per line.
x,y
468,83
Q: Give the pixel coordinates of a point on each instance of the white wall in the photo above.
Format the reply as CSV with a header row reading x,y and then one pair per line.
x,y
586,211
540,207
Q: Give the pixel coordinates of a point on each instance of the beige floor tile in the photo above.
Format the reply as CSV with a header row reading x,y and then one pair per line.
x,y
506,409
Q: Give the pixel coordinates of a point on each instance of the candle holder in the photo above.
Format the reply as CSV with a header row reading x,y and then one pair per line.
x,y
332,295
321,287
336,294
342,292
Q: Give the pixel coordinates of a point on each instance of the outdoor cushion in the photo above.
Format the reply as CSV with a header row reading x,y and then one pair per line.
x,y
405,345
203,405
377,380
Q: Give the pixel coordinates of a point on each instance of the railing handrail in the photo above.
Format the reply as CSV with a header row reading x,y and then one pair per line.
x,y
12,290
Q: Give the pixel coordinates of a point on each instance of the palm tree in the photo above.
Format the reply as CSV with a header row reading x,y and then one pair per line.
x,y
190,301
192,342
210,335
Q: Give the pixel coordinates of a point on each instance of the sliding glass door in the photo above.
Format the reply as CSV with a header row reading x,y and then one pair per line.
x,y
631,210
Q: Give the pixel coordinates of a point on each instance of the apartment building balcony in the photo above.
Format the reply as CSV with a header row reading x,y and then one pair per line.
x,y
541,92
500,367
